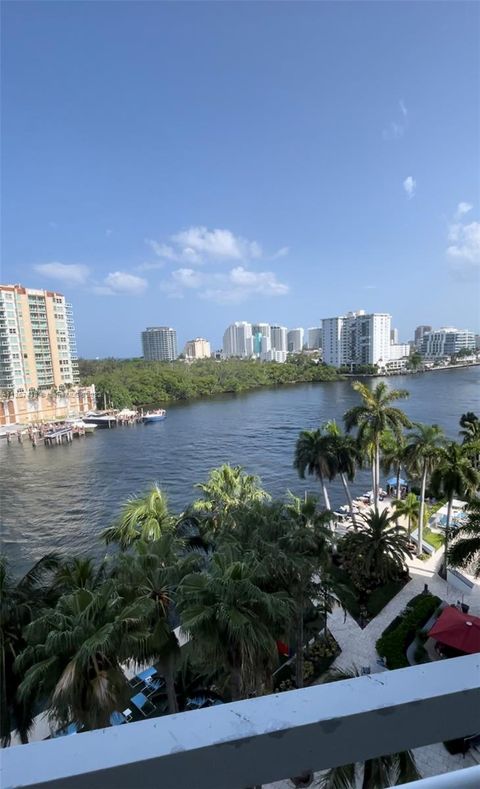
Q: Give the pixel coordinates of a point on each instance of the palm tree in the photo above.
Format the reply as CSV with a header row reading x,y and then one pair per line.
x,y
421,455
227,487
393,456
346,457
408,508
313,455
375,415
453,476
143,517
74,653
464,552
20,601
470,424
79,572
391,770
232,621
150,575
376,552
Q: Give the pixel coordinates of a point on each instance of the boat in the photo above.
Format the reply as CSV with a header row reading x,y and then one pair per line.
x,y
154,416
79,424
100,420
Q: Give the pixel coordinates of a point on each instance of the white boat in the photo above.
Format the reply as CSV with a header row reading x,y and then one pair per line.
x,y
81,425
100,420
154,416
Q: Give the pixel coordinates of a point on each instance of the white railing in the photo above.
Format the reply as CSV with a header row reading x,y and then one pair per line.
x,y
257,741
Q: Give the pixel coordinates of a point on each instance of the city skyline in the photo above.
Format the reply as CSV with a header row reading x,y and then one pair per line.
x,y
207,173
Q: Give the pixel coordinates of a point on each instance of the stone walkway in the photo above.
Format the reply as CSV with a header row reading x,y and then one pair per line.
x,y
358,649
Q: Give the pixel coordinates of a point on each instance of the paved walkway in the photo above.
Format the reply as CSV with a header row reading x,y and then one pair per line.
x,y
358,648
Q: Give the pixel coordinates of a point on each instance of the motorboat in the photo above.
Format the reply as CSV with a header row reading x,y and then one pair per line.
x,y
79,424
100,420
154,416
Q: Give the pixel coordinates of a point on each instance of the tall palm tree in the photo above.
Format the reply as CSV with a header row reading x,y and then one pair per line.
x,y
453,476
74,654
408,508
464,551
391,770
233,623
470,424
375,415
79,572
227,487
313,455
376,552
421,456
346,457
150,574
393,456
144,517
20,602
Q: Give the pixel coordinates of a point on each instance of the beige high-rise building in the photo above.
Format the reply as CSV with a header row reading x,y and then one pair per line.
x,y
197,349
37,341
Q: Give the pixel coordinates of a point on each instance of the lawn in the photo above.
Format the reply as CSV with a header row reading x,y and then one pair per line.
x,y
375,601
433,539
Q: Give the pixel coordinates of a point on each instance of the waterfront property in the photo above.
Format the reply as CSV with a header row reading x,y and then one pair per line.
x,y
45,405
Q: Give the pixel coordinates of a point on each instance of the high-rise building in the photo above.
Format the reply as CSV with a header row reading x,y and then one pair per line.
x,y
356,339
37,340
446,342
419,332
314,338
261,338
295,340
197,349
279,343
394,336
399,350
238,340
159,344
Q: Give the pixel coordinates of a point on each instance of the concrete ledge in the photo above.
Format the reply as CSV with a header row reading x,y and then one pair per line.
x,y
262,740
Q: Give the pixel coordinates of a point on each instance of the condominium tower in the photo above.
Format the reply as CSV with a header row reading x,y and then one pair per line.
x,y
159,344
238,340
314,338
356,338
197,349
37,340
295,340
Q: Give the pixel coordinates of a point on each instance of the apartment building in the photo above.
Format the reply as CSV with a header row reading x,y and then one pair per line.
x,y
37,340
295,340
446,341
159,344
357,338
197,349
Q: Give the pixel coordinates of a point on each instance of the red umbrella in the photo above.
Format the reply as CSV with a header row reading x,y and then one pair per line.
x,y
457,630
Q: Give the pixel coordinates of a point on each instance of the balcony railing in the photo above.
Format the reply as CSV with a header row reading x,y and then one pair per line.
x,y
257,741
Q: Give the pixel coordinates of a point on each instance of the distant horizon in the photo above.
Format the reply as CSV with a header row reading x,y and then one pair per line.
x,y
213,160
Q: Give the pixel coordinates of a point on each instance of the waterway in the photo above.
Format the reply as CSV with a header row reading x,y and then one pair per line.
x,y
60,498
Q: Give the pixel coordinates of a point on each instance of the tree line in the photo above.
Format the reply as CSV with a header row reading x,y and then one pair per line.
x,y
135,382
238,571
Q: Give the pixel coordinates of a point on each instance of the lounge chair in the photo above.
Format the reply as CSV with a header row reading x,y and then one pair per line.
x,y
153,685
117,718
143,676
143,704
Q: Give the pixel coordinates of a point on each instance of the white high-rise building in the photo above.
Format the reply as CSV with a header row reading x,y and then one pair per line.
x,y
159,344
357,338
238,340
314,338
399,350
295,340
446,342
278,338
394,336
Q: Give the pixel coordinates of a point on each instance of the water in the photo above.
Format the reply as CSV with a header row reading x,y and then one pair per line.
x,y
61,498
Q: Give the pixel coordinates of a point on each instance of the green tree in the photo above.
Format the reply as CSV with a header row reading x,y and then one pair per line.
x,y
391,770
376,553
74,654
232,621
144,517
227,487
346,457
470,432
78,572
454,476
374,416
464,551
392,449
422,452
415,361
20,602
408,508
313,455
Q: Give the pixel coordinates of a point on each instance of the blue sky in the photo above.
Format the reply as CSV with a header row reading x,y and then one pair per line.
x,y
193,164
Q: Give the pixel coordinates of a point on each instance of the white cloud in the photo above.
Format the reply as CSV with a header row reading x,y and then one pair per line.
x,y
70,273
462,209
410,186
235,286
465,241
397,128
197,245
119,282
280,253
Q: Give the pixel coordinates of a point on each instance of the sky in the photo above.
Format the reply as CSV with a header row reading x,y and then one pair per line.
x,y
195,163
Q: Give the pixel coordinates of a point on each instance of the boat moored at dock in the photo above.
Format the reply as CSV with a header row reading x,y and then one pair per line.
x,y
154,416
100,420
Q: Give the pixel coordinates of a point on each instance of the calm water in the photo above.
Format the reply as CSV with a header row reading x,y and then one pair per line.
x,y
62,497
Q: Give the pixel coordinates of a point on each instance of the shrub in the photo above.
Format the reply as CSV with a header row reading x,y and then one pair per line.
x,y
393,643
